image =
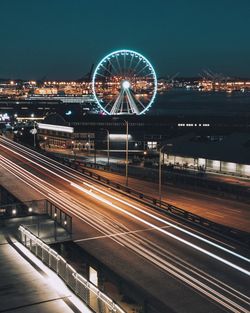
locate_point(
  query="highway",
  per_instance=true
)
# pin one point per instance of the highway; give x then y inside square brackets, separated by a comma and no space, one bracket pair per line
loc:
[220,210]
[182,270]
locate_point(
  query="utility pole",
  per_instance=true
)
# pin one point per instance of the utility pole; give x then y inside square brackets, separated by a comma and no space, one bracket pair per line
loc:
[160,173]
[126,123]
[126,157]
[108,144]
[34,131]
[160,170]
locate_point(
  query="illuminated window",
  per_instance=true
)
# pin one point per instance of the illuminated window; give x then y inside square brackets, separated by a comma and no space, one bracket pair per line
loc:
[231,167]
[216,165]
[246,169]
[152,145]
[201,162]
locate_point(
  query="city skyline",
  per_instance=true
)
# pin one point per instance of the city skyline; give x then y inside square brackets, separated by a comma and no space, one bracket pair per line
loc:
[125,156]
[61,40]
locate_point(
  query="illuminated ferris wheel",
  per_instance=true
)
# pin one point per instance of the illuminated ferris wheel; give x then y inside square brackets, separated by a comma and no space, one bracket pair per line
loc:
[124,82]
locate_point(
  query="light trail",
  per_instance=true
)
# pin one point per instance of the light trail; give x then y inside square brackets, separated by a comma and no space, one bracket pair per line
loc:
[124,202]
[218,258]
[54,195]
[157,218]
[168,223]
[199,286]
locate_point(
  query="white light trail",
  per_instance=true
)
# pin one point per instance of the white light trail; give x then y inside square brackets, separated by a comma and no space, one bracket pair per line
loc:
[137,247]
[214,256]
[144,212]
[168,223]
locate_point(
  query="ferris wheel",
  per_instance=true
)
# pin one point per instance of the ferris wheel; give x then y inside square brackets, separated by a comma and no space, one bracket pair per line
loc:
[124,82]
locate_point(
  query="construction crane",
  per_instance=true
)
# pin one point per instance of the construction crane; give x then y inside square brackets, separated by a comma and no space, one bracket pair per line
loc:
[88,76]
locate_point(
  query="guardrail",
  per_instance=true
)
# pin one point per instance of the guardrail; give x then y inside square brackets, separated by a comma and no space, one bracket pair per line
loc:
[85,290]
[238,236]
[189,179]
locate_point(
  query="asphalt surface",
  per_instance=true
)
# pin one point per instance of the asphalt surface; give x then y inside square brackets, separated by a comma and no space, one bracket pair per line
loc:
[227,212]
[163,258]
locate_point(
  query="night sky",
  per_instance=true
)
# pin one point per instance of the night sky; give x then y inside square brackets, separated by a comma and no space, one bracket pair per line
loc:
[60,39]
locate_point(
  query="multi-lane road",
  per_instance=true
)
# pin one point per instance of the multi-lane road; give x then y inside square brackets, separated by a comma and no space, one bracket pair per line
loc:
[179,268]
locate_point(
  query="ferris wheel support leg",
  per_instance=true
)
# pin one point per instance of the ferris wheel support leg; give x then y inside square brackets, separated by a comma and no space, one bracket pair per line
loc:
[117,104]
[132,103]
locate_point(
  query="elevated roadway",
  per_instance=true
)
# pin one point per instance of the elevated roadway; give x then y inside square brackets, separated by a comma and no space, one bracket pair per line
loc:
[178,268]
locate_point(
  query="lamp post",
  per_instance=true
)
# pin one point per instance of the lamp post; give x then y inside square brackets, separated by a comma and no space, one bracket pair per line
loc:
[45,142]
[87,148]
[108,143]
[33,131]
[160,173]
[126,157]
[160,170]
[73,149]
[126,123]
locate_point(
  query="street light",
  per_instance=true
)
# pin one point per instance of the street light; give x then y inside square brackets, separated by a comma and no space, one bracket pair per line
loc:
[160,164]
[73,143]
[107,144]
[33,131]
[126,124]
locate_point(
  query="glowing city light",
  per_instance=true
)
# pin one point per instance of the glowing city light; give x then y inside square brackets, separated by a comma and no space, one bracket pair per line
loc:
[126,84]
[65,129]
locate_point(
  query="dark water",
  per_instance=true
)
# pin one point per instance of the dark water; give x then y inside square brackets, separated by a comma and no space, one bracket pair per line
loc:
[179,101]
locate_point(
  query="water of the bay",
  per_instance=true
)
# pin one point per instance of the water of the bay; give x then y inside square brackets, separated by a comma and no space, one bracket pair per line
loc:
[193,102]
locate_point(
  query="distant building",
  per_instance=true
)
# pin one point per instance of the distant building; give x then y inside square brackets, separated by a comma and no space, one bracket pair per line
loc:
[55,132]
[228,154]
[46,91]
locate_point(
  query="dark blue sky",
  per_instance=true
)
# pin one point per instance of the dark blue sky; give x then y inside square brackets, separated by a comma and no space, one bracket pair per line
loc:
[61,38]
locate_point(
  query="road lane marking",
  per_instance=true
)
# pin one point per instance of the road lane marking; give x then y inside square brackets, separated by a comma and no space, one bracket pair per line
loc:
[119,234]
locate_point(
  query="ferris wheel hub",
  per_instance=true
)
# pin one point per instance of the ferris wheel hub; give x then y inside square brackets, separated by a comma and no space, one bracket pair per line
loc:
[126,84]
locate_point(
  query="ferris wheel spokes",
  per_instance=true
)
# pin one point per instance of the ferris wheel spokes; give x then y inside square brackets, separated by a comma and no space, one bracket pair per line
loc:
[117,103]
[132,103]
[135,68]
[125,97]
[117,60]
[106,69]
[131,61]
[124,82]
[112,65]
[124,63]
[108,104]
[142,69]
